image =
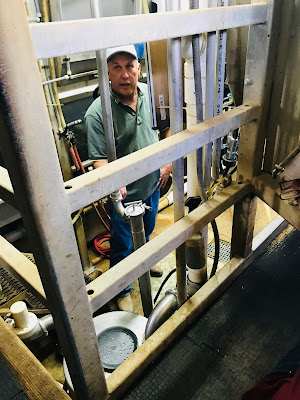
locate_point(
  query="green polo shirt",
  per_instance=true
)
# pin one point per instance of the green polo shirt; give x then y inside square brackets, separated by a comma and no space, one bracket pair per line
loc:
[133,131]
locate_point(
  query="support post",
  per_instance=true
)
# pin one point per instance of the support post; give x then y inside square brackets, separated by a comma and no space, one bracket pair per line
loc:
[259,71]
[243,226]
[31,159]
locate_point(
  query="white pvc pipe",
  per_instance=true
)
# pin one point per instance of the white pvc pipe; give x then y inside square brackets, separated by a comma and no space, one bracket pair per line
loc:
[20,314]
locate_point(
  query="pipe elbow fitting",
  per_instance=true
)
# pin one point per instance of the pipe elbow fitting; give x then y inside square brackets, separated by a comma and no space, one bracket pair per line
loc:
[163,310]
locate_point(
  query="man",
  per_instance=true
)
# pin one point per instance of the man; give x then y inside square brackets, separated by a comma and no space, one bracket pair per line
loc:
[133,131]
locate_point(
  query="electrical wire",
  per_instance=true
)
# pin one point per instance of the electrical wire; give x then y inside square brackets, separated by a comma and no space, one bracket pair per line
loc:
[163,284]
[217,248]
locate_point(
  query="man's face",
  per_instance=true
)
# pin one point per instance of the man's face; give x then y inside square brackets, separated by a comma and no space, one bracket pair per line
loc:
[123,72]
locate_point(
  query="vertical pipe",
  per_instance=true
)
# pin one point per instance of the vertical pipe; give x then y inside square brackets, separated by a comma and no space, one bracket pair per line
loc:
[210,95]
[149,70]
[31,158]
[194,4]
[176,121]
[220,75]
[150,84]
[104,92]
[135,214]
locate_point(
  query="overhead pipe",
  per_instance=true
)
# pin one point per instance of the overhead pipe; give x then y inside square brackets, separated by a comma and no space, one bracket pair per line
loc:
[176,122]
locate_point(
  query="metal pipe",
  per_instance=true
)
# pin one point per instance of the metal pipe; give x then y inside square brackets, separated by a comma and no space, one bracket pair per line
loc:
[43,202]
[62,78]
[162,311]
[210,95]
[150,84]
[220,75]
[104,92]
[135,212]
[143,6]
[199,101]
[106,107]
[176,121]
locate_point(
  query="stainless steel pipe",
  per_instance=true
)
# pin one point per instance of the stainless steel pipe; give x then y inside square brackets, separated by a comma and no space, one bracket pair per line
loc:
[176,120]
[135,212]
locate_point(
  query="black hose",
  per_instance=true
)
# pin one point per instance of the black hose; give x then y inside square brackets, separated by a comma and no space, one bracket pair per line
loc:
[163,284]
[217,248]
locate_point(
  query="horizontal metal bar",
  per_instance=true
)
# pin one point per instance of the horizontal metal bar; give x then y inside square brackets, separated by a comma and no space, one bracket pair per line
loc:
[108,285]
[59,38]
[121,379]
[24,270]
[87,188]
[6,189]
[265,187]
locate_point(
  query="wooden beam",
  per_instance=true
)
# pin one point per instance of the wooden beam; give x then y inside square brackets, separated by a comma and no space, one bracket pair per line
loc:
[108,285]
[100,182]
[265,187]
[68,37]
[30,374]
[121,379]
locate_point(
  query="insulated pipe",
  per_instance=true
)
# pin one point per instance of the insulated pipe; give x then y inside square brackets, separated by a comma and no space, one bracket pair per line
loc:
[220,75]
[162,311]
[176,122]
[106,107]
[135,212]
[199,101]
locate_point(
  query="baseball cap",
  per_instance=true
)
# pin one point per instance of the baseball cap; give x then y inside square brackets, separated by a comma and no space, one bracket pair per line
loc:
[130,49]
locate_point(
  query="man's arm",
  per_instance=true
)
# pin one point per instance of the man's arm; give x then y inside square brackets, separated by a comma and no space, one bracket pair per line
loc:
[101,163]
[166,170]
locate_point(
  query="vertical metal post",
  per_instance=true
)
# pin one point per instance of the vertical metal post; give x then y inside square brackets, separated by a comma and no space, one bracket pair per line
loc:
[31,158]
[243,226]
[176,120]
[259,72]
[220,75]
[258,77]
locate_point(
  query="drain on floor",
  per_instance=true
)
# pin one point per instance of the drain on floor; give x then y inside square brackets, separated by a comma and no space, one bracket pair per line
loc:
[224,250]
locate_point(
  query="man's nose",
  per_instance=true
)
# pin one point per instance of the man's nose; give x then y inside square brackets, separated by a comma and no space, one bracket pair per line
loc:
[125,74]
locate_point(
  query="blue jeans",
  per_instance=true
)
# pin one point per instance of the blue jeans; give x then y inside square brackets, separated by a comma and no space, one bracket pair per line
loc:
[121,241]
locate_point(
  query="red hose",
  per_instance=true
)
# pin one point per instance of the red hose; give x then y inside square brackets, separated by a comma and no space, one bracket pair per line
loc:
[79,160]
[81,167]
[74,158]
[99,239]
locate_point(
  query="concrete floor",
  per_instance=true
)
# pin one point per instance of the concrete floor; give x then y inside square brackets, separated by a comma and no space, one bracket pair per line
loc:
[165,219]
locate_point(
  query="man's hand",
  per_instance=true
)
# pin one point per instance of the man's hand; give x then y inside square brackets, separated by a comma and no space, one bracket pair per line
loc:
[101,163]
[123,192]
[164,175]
